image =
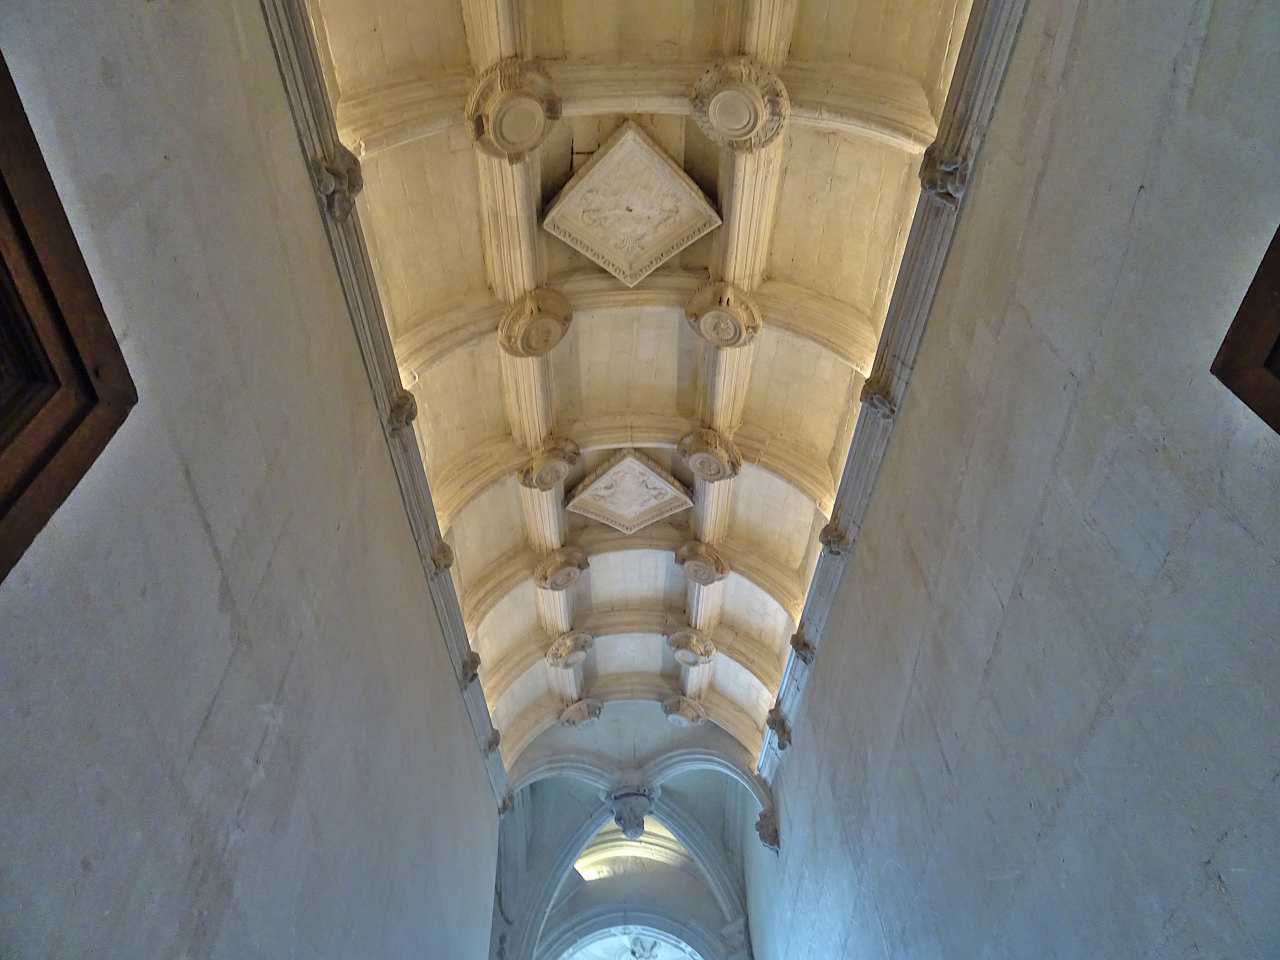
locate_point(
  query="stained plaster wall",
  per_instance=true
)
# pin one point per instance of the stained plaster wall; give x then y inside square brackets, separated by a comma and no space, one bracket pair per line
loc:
[230,725]
[1045,719]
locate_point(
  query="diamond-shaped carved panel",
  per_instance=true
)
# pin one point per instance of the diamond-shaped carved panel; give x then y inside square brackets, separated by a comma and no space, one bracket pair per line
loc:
[631,208]
[628,492]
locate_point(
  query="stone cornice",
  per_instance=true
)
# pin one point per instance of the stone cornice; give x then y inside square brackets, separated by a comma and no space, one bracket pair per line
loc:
[989,37]
[289,28]
[851,100]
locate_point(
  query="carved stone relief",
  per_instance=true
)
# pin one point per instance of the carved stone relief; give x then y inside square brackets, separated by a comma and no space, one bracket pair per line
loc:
[710,455]
[835,541]
[875,396]
[691,647]
[804,650]
[512,109]
[535,323]
[701,563]
[470,668]
[550,465]
[629,491]
[630,806]
[338,180]
[776,721]
[684,712]
[630,208]
[944,176]
[560,570]
[723,315]
[403,411]
[569,649]
[581,713]
[740,103]
[767,828]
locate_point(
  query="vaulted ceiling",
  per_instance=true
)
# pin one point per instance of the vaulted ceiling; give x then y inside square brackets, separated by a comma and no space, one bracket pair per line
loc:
[635,259]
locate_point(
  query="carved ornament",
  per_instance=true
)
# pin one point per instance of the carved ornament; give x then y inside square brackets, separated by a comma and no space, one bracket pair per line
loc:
[740,103]
[684,711]
[550,465]
[691,647]
[442,557]
[630,806]
[569,649]
[403,411]
[767,828]
[512,109]
[701,563]
[470,668]
[776,721]
[629,491]
[581,713]
[875,396]
[535,323]
[710,455]
[494,741]
[723,315]
[630,208]
[338,180]
[835,541]
[507,805]
[560,570]
[804,650]
[946,177]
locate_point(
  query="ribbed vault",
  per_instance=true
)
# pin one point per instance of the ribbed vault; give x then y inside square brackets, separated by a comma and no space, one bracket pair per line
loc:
[560,394]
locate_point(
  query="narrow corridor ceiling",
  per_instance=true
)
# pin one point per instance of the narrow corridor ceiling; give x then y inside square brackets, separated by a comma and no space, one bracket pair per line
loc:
[635,259]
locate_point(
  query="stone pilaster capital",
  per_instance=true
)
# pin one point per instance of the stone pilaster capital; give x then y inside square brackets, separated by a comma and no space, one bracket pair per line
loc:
[740,103]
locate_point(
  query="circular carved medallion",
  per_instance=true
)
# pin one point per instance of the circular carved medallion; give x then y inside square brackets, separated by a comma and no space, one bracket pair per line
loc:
[723,315]
[740,103]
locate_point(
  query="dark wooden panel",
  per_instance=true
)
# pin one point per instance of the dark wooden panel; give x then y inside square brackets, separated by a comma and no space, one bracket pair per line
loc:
[64,386]
[1249,360]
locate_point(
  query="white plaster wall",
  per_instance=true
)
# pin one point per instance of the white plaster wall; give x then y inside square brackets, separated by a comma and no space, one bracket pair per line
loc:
[1044,722]
[230,726]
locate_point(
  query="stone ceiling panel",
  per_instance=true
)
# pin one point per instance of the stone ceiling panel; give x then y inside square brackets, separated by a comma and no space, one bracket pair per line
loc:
[628,492]
[448,430]
[633,579]
[774,516]
[616,29]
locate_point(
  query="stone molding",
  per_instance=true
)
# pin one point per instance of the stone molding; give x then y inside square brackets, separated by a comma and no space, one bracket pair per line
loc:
[535,323]
[710,455]
[560,570]
[684,711]
[723,315]
[512,109]
[701,563]
[550,465]
[569,649]
[581,713]
[741,104]
[691,647]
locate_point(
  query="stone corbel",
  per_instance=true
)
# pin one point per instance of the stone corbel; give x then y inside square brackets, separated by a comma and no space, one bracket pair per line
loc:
[945,177]
[512,110]
[581,713]
[403,411]
[804,650]
[470,668]
[691,647]
[550,465]
[710,455]
[701,563]
[767,828]
[684,711]
[494,741]
[535,323]
[776,721]
[630,806]
[741,104]
[835,541]
[724,315]
[560,570]
[876,396]
[507,805]
[442,557]
[569,649]
[338,180]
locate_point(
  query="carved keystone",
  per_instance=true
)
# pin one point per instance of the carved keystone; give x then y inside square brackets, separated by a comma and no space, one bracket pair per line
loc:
[723,315]
[569,649]
[630,806]
[535,323]
[701,563]
[767,828]
[560,570]
[691,647]
[804,650]
[684,711]
[944,177]
[512,109]
[581,713]
[338,180]
[550,465]
[710,455]
[403,411]
[776,721]
[740,103]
